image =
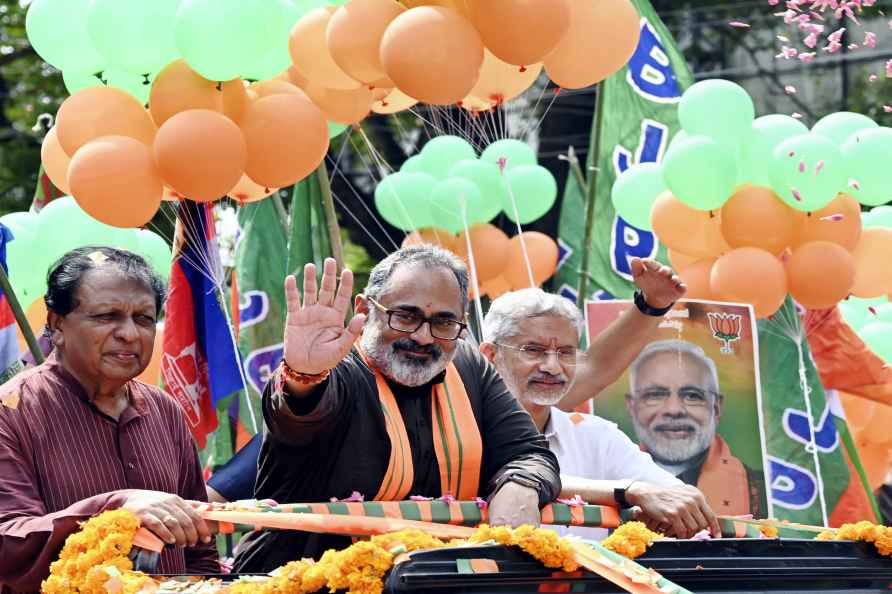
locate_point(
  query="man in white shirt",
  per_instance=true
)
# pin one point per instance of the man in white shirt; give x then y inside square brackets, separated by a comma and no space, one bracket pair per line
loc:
[531,337]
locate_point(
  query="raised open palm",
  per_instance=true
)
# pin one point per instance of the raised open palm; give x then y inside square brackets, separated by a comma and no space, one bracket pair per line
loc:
[661,286]
[315,336]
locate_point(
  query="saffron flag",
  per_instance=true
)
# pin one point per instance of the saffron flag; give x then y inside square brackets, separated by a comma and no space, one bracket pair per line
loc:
[814,472]
[640,103]
[200,365]
[9,345]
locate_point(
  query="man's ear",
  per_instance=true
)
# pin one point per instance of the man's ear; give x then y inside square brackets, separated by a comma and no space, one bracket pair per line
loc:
[54,323]
[630,406]
[361,305]
[488,350]
[719,402]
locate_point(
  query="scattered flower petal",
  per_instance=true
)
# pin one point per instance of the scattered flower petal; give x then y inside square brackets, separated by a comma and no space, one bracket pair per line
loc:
[853,47]
[796,115]
[420,498]
[807,57]
[811,40]
[834,217]
[853,183]
[818,166]
[447,498]
[355,497]
[481,503]
[870,40]
[787,52]
[801,166]
[739,25]
[796,195]
[790,90]
[889,69]
[887,108]
[872,78]
[574,501]
[702,535]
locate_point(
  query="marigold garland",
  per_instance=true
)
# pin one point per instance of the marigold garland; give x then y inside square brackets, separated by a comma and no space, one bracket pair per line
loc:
[97,555]
[631,539]
[880,536]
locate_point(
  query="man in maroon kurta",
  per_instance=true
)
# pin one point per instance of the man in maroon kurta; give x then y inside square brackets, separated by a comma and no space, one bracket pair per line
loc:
[62,461]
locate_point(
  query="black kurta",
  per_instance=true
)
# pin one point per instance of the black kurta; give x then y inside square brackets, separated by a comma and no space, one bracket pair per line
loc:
[334,442]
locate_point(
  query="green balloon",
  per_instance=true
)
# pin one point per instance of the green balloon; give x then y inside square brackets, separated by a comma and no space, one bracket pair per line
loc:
[24,257]
[489,180]
[452,203]
[866,158]
[514,152]
[719,109]
[220,39]
[807,171]
[57,30]
[277,57]
[137,85]
[700,172]
[441,153]
[680,137]
[532,192]
[878,338]
[839,127]
[414,164]
[884,312]
[881,216]
[856,311]
[403,198]
[155,250]
[135,36]
[78,81]
[635,191]
[335,129]
[755,156]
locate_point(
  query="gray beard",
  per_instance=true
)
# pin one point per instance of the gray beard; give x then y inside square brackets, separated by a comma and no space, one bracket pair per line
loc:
[675,452]
[397,367]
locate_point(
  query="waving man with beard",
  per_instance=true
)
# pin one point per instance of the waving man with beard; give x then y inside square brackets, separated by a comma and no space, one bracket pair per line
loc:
[394,404]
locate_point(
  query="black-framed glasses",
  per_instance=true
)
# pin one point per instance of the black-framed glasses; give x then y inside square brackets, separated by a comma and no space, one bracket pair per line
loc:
[409,322]
[690,397]
[534,353]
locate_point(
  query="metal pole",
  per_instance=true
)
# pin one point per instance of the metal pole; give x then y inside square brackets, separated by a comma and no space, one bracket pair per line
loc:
[591,195]
[280,208]
[20,318]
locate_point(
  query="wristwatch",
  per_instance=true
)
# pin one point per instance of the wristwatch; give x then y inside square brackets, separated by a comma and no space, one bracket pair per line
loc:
[521,480]
[648,310]
[619,495]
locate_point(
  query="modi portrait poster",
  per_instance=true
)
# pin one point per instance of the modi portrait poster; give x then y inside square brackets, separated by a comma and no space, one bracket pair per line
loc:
[692,400]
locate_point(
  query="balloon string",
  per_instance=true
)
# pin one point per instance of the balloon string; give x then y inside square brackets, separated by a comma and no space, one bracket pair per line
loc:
[472,262]
[523,244]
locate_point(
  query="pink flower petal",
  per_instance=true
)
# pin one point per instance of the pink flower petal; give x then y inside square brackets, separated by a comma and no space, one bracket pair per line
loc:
[833,217]
[889,69]
[739,25]
[420,498]
[887,108]
[790,90]
[872,78]
[870,40]
[853,183]
[796,195]
[818,166]
[807,57]
[481,503]
[811,40]
[796,115]
[853,47]
[801,166]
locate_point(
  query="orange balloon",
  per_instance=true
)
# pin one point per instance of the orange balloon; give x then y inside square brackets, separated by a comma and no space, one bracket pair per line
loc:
[521,32]
[602,37]
[394,102]
[234,99]
[55,161]
[101,111]
[152,373]
[750,275]
[696,233]
[287,138]
[859,411]
[460,6]
[342,107]
[873,277]
[678,260]
[170,195]
[265,88]
[696,277]
[310,54]
[542,252]
[201,154]
[247,190]
[432,236]
[877,429]
[432,54]
[495,287]
[754,216]
[839,222]
[294,76]
[476,104]
[491,248]
[179,88]
[820,274]
[114,180]
[36,316]
[500,81]
[875,459]
[354,37]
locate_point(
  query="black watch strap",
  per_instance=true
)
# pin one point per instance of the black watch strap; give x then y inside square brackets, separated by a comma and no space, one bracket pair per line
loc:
[646,309]
[619,495]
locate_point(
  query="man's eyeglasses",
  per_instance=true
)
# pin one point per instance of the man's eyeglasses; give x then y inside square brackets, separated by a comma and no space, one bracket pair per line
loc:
[534,353]
[409,322]
[690,397]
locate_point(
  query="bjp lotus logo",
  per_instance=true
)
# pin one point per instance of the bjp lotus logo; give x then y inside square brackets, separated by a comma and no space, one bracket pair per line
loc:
[725,328]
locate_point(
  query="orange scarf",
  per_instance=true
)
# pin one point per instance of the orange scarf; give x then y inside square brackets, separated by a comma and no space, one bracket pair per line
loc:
[457,441]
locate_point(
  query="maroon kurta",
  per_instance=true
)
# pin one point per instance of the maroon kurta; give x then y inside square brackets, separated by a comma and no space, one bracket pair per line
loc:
[62,461]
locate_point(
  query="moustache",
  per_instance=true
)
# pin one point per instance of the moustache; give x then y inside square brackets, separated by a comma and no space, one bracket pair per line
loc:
[407,344]
[548,378]
[675,427]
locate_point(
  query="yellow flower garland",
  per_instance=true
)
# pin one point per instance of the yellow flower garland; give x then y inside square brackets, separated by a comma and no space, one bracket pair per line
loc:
[880,536]
[631,539]
[97,555]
